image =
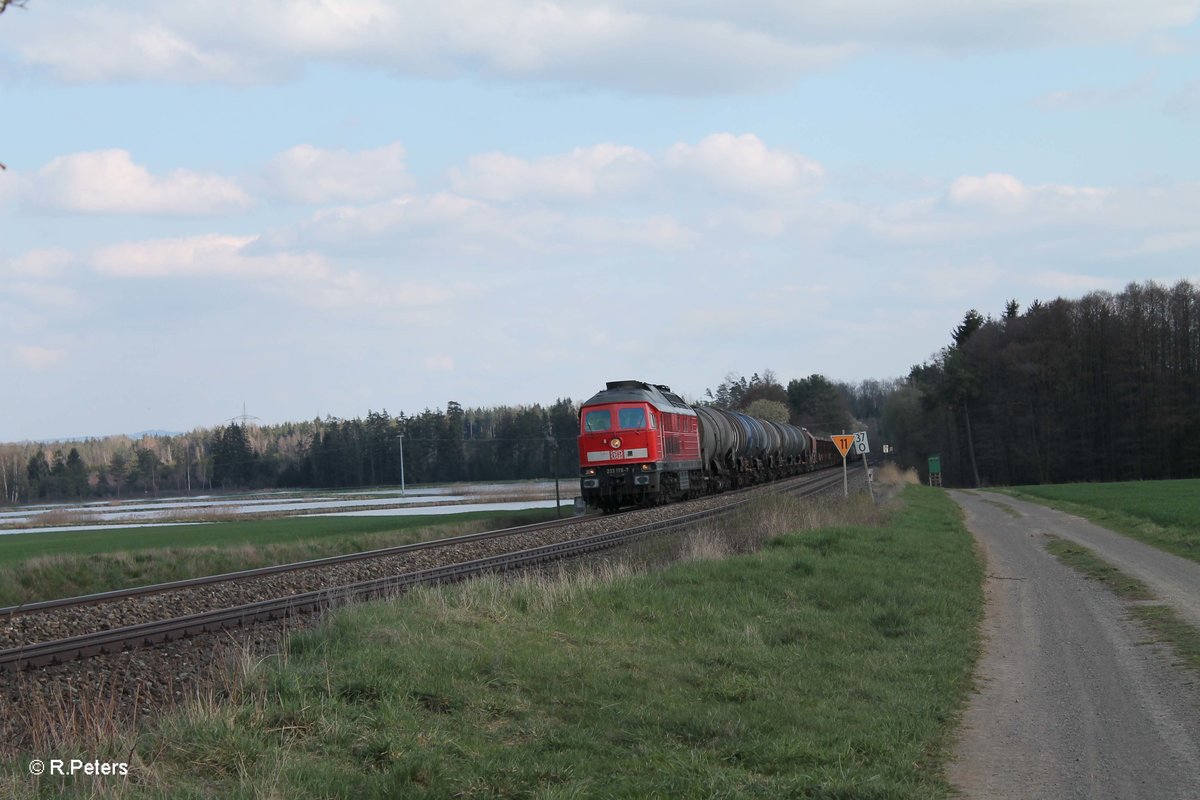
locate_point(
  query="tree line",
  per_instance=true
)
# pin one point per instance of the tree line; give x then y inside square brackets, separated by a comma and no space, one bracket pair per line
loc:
[454,444]
[1103,388]
[439,445]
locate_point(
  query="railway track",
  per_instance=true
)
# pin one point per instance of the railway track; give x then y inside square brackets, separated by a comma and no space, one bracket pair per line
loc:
[276,569]
[119,639]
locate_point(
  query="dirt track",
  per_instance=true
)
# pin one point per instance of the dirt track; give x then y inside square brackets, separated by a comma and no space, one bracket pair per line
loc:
[1073,702]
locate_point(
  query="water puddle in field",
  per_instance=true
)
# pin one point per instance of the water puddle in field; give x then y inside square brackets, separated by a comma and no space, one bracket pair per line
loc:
[452,509]
[115,526]
[246,505]
[142,513]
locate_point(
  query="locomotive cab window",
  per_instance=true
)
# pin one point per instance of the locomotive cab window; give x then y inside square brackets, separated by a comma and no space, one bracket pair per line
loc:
[598,420]
[631,418]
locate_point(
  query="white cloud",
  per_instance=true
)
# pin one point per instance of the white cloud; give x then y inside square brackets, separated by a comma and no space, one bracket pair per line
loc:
[206,255]
[723,163]
[1168,45]
[428,216]
[566,41]
[765,222]
[44,263]
[108,182]
[659,231]
[957,283]
[1049,227]
[91,43]
[1171,242]
[694,47]
[1185,103]
[994,192]
[446,224]
[38,358]
[439,363]
[1097,97]
[355,292]
[1004,194]
[300,277]
[582,173]
[44,295]
[744,164]
[1072,283]
[308,174]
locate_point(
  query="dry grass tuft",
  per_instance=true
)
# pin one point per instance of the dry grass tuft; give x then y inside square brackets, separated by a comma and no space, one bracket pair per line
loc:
[202,514]
[706,543]
[495,596]
[56,517]
[60,718]
[517,492]
[769,518]
[891,475]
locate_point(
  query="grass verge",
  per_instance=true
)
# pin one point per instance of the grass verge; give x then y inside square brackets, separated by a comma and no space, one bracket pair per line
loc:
[1163,622]
[41,566]
[1164,514]
[1005,507]
[826,665]
[1081,559]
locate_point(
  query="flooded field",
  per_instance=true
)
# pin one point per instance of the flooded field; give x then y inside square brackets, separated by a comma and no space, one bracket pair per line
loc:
[144,512]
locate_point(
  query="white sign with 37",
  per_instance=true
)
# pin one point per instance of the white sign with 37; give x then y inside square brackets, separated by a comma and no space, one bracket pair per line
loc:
[860,443]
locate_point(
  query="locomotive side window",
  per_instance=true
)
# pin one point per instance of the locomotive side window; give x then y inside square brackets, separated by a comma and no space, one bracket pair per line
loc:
[599,420]
[632,418]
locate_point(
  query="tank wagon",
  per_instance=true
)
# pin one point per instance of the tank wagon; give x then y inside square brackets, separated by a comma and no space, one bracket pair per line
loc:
[641,444]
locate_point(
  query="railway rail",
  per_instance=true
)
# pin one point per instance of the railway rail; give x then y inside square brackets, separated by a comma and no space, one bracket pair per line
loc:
[275,569]
[115,640]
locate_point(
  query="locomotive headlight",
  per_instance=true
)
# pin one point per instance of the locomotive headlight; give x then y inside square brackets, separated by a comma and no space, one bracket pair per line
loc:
[645,467]
[590,471]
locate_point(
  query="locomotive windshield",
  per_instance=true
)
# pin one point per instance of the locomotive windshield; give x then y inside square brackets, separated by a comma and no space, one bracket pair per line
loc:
[599,420]
[631,418]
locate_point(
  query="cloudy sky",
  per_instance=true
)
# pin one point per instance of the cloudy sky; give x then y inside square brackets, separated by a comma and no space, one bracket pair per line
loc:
[320,207]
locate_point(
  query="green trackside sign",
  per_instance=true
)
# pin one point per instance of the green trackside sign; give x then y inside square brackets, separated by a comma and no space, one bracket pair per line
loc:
[935,464]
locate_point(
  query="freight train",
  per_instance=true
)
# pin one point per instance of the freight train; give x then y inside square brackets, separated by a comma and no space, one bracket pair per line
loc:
[641,444]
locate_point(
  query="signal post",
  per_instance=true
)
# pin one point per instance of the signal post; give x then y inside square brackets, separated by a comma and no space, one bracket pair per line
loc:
[843,443]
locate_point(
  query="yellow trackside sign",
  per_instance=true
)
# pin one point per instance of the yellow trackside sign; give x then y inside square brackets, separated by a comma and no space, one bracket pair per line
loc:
[844,443]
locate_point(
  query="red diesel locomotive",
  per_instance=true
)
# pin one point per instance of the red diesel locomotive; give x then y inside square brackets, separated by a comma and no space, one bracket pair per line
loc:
[641,444]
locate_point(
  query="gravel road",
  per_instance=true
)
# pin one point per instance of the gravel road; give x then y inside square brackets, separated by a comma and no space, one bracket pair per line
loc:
[1073,700]
[1173,580]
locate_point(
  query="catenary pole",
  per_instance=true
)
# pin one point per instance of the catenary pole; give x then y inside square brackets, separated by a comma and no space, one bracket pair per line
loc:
[402,465]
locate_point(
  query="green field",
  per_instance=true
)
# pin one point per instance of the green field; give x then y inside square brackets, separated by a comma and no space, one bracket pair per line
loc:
[38,566]
[828,664]
[1165,514]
